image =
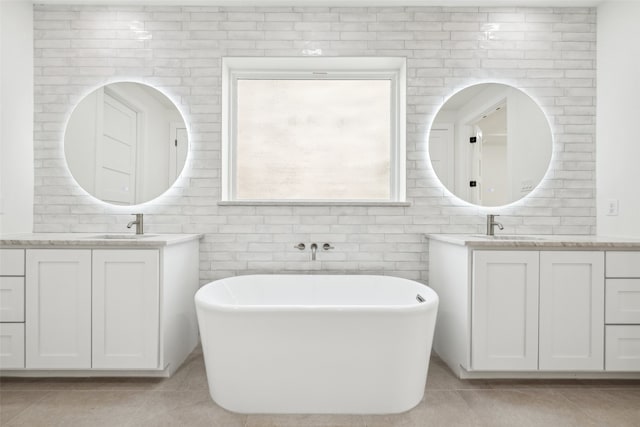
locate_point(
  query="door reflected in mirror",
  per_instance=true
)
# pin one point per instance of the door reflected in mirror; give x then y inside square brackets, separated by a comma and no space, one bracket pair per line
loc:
[126,143]
[490,144]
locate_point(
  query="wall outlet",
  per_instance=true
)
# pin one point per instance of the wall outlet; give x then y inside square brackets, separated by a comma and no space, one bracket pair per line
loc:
[612,207]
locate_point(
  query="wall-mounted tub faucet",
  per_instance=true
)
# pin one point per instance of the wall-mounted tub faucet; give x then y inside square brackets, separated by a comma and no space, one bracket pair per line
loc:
[139,222]
[491,223]
[314,248]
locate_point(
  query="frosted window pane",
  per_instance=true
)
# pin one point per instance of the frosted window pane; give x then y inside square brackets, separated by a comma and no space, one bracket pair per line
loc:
[313,139]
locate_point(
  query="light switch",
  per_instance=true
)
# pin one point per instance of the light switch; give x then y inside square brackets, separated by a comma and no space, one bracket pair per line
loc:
[612,207]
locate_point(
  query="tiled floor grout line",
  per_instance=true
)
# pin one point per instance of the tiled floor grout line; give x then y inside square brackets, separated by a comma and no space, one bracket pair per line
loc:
[138,409]
[577,407]
[30,405]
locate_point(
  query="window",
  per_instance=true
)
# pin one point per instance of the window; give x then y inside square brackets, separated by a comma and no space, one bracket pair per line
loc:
[313,129]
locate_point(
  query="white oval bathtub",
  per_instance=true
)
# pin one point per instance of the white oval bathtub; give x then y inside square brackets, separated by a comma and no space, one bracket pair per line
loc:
[316,343]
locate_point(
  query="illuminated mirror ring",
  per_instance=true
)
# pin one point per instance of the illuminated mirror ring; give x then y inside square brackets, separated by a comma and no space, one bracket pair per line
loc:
[490,144]
[125,143]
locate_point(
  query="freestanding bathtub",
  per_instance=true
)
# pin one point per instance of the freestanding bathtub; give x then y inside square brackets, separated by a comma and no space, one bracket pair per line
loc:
[316,343]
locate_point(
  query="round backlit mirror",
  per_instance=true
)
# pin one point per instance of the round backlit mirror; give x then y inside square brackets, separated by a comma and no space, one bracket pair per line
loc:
[125,143]
[490,144]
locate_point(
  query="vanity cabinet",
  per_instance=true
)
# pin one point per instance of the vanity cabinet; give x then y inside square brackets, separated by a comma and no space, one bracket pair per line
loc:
[125,309]
[520,310]
[99,308]
[58,300]
[516,292]
[92,309]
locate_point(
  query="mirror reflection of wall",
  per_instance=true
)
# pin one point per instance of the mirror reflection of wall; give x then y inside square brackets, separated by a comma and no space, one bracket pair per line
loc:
[490,144]
[125,143]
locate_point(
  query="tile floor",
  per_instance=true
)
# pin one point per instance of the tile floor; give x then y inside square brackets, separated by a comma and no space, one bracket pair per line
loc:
[183,400]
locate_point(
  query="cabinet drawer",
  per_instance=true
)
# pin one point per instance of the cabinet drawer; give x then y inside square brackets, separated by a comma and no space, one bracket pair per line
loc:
[11,345]
[11,262]
[623,301]
[623,264]
[11,299]
[622,349]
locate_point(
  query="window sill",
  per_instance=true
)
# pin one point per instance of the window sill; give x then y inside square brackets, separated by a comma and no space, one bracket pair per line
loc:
[309,203]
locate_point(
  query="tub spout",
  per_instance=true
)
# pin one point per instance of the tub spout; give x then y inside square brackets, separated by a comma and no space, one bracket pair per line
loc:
[314,248]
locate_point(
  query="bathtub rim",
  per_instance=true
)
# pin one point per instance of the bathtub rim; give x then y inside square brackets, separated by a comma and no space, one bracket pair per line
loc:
[430,296]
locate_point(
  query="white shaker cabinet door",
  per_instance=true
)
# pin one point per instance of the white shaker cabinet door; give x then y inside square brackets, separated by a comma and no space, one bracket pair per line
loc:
[58,314]
[571,311]
[504,336]
[126,300]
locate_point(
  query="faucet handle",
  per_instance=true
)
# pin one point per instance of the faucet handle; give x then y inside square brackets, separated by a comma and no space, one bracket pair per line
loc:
[300,246]
[327,246]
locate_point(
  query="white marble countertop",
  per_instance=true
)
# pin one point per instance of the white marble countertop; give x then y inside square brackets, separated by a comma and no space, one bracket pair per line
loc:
[537,241]
[129,240]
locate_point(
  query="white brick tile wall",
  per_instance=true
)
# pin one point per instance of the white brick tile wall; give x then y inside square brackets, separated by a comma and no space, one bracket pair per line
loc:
[548,51]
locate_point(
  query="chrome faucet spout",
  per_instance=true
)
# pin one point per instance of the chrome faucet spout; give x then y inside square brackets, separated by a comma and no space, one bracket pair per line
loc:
[491,223]
[314,248]
[139,222]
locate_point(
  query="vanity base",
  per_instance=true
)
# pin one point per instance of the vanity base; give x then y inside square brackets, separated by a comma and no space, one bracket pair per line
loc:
[168,371]
[538,375]
[164,373]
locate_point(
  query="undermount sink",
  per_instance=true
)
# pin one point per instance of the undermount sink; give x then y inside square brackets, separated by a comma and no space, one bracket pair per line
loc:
[121,236]
[509,237]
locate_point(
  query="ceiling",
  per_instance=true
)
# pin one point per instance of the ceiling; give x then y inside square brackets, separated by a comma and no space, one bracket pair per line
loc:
[345,3]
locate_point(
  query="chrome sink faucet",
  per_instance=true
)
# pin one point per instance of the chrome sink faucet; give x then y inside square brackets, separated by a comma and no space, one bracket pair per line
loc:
[139,222]
[491,223]
[314,248]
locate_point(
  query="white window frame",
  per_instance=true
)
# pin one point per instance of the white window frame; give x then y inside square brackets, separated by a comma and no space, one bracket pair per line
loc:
[342,68]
